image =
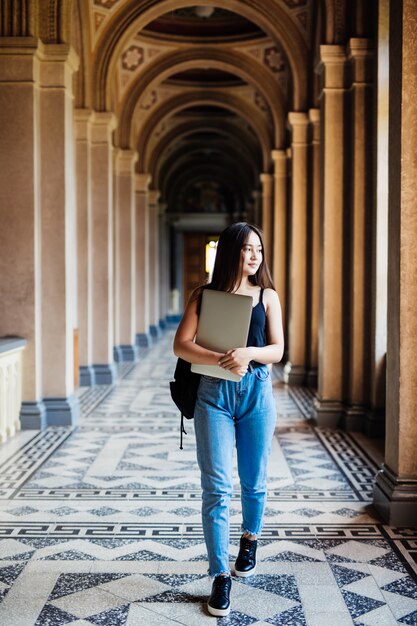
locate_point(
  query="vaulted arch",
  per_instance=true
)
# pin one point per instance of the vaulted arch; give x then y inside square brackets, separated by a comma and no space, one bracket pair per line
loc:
[243,140]
[136,14]
[226,60]
[177,103]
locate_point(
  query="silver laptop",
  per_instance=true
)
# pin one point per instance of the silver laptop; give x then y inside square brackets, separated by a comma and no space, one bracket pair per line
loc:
[223,325]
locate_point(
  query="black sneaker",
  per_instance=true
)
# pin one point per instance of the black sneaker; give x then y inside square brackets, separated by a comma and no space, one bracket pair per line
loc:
[219,601]
[245,564]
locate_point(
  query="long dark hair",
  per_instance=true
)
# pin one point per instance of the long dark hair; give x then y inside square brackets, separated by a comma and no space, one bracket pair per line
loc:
[227,271]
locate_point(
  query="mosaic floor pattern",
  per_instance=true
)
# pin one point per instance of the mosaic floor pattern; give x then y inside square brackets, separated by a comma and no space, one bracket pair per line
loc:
[101,524]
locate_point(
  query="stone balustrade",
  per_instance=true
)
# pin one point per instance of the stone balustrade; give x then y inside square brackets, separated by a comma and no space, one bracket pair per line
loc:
[11,349]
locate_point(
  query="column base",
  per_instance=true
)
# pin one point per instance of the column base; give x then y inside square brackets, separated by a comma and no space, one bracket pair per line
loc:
[87,376]
[143,340]
[173,319]
[294,374]
[125,353]
[155,332]
[105,374]
[312,378]
[354,418]
[327,413]
[395,499]
[33,416]
[162,324]
[62,411]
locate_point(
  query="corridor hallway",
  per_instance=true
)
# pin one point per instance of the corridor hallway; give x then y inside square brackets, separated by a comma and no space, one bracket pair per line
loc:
[100,524]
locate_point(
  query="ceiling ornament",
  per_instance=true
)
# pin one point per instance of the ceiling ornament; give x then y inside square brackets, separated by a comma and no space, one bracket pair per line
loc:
[204,11]
[106,4]
[132,58]
[149,101]
[273,59]
[98,19]
[296,4]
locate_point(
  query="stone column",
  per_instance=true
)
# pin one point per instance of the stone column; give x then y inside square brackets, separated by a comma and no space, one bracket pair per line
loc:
[328,403]
[395,495]
[257,207]
[83,181]
[279,238]
[376,415]
[295,368]
[153,262]
[125,256]
[143,337]
[313,246]
[267,208]
[101,246]
[58,232]
[360,236]
[20,215]
[164,287]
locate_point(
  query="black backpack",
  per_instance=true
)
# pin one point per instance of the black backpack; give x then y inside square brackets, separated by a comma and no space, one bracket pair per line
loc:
[184,391]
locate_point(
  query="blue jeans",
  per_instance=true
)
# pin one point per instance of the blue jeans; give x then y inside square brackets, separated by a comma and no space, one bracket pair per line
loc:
[226,412]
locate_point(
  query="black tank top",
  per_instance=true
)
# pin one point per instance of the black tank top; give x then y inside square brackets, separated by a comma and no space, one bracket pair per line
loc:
[257,328]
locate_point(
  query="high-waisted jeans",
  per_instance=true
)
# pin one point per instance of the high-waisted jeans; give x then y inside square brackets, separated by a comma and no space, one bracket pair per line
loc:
[227,412]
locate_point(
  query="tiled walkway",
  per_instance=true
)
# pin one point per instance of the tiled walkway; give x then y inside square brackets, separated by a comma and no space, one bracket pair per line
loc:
[101,524]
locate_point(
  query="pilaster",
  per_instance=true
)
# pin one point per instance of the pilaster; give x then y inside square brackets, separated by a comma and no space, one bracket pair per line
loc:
[154,270]
[395,493]
[20,238]
[83,204]
[279,238]
[295,368]
[267,208]
[58,231]
[125,256]
[143,338]
[360,58]
[328,403]
[313,249]
[101,246]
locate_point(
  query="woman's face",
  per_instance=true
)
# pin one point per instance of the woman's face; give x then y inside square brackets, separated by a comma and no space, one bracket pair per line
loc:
[251,255]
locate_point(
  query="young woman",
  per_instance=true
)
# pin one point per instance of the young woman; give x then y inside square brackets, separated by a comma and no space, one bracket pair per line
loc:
[228,412]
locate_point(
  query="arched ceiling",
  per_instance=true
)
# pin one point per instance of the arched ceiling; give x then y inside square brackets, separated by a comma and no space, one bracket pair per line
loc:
[201,88]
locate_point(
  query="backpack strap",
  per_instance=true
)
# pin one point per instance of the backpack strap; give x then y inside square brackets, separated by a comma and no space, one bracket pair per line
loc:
[182,430]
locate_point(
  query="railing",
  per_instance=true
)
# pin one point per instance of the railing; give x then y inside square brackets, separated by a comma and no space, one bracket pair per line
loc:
[11,349]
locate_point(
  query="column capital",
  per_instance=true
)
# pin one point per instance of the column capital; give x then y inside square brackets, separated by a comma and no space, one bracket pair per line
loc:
[81,120]
[265,178]
[360,53]
[102,125]
[332,65]
[314,117]
[153,196]
[19,60]
[125,161]
[142,182]
[280,162]
[298,121]
[59,53]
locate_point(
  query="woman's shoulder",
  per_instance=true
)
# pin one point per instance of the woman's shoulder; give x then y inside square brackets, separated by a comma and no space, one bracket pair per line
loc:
[270,296]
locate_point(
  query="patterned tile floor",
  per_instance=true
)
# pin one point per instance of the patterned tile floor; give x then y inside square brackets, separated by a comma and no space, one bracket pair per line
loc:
[101,524]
